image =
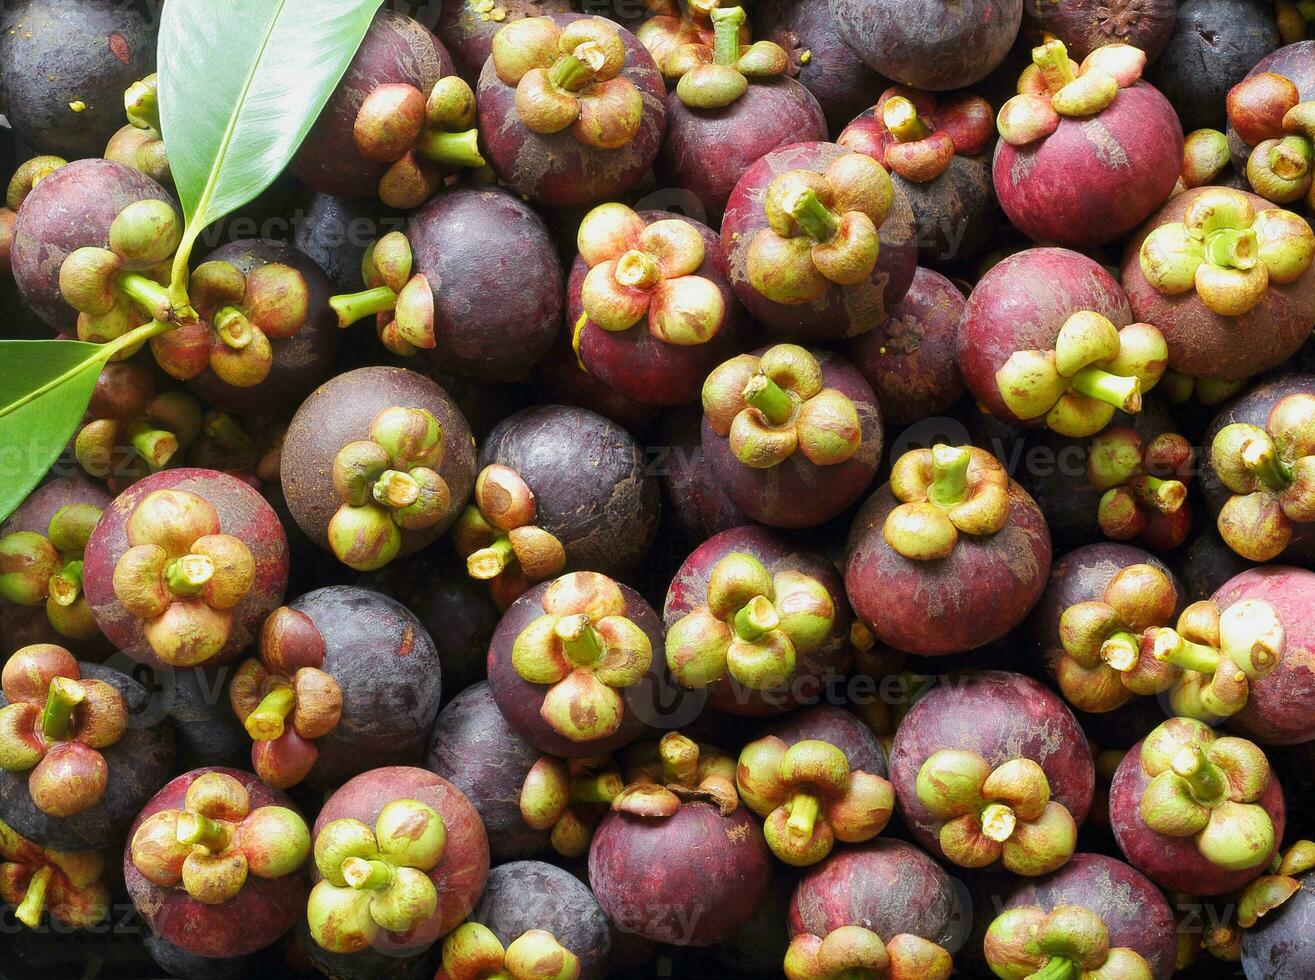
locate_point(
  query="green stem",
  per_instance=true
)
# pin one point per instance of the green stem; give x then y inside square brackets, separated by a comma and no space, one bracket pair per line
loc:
[351,307]
[601,788]
[451,149]
[63,695]
[998,822]
[198,829]
[233,327]
[804,809]
[1112,389]
[367,873]
[1166,496]
[146,293]
[1174,648]
[755,618]
[1121,651]
[188,575]
[637,270]
[817,220]
[1202,775]
[1057,968]
[949,475]
[901,118]
[488,563]
[155,446]
[1232,248]
[266,723]
[769,398]
[569,73]
[1052,59]
[29,910]
[1261,458]
[680,759]
[580,641]
[726,35]
[228,432]
[65,586]
[396,489]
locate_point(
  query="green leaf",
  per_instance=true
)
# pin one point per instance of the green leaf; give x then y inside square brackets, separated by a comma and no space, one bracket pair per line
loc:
[44,390]
[241,84]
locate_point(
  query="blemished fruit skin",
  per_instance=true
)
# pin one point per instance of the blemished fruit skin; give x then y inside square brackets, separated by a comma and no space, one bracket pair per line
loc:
[1278,947]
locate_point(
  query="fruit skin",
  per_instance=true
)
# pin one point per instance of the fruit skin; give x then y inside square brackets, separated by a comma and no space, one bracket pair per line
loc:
[1175,862]
[206,731]
[262,911]
[467,32]
[927,45]
[1215,43]
[1254,407]
[139,763]
[22,626]
[561,381]
[496,280]
[1093,179]
[1293,61]
[464,867]
[526,895]
[71,208]
[842,311]
[837,77]
[243,513]
[335,231]
[178,962]
[977,594]
[1000,716]
[887,886]
[693,497]
[519,700]
[638,365]
[590,483]
[55,53]
[839,727]
[1088,24]
[369,963]
[691,879]
[776,552]
[1134,910]
[389,671]
[302,361]
[707,151]
[1205,344]
[556,170]
[910,359]
[1020,304]
[1280,708]
[1278,947]
[474,747]
[1208,563]
[396,49]
[796,493]
[340,411]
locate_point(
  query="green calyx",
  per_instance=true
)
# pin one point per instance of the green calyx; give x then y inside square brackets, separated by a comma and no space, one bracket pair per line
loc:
[37,569]
[1068,942]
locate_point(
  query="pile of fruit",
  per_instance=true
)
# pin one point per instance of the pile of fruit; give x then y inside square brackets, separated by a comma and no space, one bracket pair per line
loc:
[829,492]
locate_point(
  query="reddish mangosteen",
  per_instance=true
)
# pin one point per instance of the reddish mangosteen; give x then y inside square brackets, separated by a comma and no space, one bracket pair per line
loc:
[927,45]
[473,279]
[678,860]
[818,243]
[559,489]
[127,225]
[1047,338]
[214,863]
[1088,627]
[572,109]
[184,567]
[891,909]
[466,28]
[560,380]
[346,680]
[400,859]
[694,499]
[992,767]
[65,884]
[1277,913]
[377,463]
[1085,25]
[910,359]
[836,725]
[41,546]
[792,435]
[651,308]
[734,103]
[818,57]
[572,665]
[938,155]
[78,757]
[947,556]
[1095,916]
[1228,279]
[397,118]
[135,424]
[535,921]
[1195,811]
[1088,152]
[757,621]
[1261,477]
[261,295]
[1265,114]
